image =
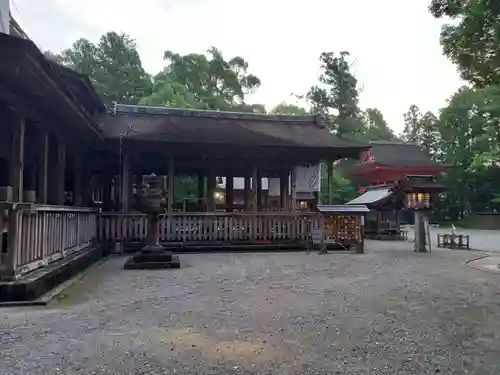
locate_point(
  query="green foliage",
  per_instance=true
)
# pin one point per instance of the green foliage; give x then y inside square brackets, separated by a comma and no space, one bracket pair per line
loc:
[421,129]
[376,128]
[337,95]
[113,65]
[288,109]
[471,41]
[343,189]
[210,81]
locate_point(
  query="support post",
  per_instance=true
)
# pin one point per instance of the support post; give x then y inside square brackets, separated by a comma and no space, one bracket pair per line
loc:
[259,191]
[17,162]
[42,168]
[77,182]
[211,183]
[246,192]
[60,174]
[329,174]
[293,180]
[125,183]
[283,190]
[229,193]
[105,181]
[201,191]
[255,176]
[170,192]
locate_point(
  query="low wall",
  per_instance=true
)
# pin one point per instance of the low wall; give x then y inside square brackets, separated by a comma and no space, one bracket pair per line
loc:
[487,220]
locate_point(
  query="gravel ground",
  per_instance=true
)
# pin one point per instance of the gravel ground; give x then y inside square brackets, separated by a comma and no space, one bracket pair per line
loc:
[390,311]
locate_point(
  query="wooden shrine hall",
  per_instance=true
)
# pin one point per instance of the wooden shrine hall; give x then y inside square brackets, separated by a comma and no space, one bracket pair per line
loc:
[69,166]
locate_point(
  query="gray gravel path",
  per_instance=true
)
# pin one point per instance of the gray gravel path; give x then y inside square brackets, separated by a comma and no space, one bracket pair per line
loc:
[390,311]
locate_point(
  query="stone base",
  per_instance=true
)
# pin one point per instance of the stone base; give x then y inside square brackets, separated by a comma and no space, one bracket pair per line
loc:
[33,285]
[152,260]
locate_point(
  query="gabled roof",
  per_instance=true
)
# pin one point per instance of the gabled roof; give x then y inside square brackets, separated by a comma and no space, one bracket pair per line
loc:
[393,153]
[81,86]
[25,73]
[373,196]
[170,125]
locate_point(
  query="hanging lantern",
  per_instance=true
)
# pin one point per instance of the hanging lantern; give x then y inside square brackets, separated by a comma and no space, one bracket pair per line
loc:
[418,201]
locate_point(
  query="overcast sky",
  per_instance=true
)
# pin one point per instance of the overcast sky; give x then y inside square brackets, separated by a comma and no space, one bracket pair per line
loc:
[395,43]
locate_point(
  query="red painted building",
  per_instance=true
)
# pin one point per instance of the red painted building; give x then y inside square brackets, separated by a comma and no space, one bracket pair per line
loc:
[387,161]
[376,173]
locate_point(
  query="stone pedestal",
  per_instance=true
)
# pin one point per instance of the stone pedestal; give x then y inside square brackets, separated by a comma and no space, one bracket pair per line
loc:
[153,255]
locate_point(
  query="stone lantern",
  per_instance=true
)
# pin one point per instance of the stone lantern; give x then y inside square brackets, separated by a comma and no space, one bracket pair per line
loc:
[417,192]
[151,199]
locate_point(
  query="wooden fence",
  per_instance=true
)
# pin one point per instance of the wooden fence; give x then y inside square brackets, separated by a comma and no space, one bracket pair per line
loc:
[35,236]
[209,227]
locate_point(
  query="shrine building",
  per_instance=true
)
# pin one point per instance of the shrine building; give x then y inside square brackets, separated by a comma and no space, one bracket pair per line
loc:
[69,168]
[378,170]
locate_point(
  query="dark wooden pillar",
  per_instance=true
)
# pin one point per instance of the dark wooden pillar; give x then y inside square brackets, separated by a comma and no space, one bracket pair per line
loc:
[283,190]
[125,183]
[17,161]
[60,172]
[293,181]
[255,177]
[171,177]
[259,191]
[211,183]
[105,181]
[329,174]
[201,187]
[246,193]
[77,182]
[42,168]
[229,193]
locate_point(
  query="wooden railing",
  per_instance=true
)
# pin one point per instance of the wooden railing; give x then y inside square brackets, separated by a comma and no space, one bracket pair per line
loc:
[38,235]
[208,227]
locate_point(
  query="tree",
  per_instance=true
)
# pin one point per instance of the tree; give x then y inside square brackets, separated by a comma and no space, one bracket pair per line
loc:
[337,95]
[213,82]
[288,109]
[343,188]
[472,40]
[376,128]
[173,95]
[113,65]
[412,121]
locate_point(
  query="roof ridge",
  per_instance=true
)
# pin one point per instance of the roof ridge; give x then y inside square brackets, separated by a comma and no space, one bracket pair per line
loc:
[403,143]
[157,110]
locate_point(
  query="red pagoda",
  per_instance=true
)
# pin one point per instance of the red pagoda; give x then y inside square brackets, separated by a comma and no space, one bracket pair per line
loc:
[378,171]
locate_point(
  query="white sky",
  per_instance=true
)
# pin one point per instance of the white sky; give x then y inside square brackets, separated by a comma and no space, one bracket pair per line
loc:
[395,43]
